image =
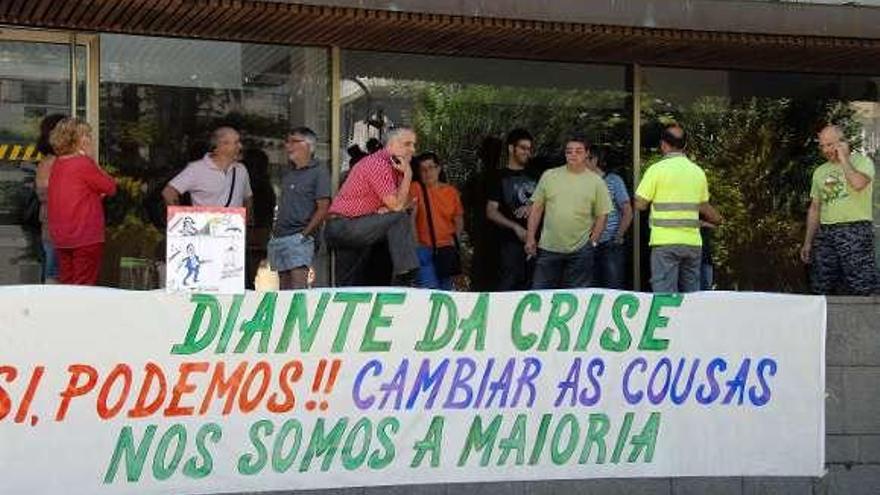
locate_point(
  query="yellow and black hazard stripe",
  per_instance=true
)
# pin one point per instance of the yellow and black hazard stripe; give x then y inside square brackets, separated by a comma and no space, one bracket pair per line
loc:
[12,152]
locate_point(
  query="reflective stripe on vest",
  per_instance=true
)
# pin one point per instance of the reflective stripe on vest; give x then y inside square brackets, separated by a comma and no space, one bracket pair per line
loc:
[676,215]
[676,207]
[675,222]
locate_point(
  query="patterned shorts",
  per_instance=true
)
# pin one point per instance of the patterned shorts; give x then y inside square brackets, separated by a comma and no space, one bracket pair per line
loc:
[843,260]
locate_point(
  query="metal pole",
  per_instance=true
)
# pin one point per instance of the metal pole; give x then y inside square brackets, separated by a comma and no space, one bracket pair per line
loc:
[335,134]
[73,79]
[93,80]
[335,117]
[637,170]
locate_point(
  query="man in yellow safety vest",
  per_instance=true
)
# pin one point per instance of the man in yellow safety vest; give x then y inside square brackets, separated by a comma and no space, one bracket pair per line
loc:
[676,190]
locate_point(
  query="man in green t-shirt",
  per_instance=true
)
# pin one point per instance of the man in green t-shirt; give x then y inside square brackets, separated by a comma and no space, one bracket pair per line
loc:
[574,203]
[839,242]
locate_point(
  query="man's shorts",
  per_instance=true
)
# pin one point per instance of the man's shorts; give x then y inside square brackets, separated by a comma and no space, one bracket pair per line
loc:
[289,252]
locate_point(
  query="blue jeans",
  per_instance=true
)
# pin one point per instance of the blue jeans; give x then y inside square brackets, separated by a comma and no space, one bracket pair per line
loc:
[50,261]
[707,276]
[427,276]
[610,264]
[564,270]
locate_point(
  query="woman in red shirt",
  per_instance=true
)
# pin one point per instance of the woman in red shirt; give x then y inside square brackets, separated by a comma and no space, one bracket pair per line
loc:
[77,187]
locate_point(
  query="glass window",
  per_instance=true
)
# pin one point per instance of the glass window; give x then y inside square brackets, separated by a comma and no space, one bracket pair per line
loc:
[161,97]
[81,82]
[755,135]
[34,83]
[462,108]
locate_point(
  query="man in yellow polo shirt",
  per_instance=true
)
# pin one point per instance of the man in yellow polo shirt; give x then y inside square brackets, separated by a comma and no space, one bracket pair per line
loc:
[576,202]
[839,242]
[676,190]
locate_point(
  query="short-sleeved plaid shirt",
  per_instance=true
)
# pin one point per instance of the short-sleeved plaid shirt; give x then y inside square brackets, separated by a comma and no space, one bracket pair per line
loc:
[370,180]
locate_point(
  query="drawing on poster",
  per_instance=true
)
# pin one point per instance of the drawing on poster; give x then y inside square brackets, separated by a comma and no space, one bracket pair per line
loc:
[205,250]
[231,267]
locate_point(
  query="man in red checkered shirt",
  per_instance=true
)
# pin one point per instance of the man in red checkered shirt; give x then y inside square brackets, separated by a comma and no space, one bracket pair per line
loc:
[371,206]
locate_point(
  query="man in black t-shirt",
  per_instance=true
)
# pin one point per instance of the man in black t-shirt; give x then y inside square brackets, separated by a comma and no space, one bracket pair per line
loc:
[509,203]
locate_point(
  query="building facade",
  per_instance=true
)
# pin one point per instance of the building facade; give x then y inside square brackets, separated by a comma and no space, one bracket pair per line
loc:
[750,80]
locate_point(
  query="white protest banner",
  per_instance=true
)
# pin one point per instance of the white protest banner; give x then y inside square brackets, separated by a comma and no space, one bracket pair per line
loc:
[116,392]
[205,249]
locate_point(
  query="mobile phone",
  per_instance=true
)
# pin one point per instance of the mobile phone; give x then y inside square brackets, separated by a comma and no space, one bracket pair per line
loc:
[395,159]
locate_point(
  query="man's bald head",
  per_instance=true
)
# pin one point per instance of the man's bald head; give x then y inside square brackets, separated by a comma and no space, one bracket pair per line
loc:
[674,137]
[831,131]
[225,144]
[830,138]
[220,133]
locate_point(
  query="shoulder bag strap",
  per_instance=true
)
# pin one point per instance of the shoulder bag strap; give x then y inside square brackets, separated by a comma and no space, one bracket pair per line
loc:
[430,217]
[231,188]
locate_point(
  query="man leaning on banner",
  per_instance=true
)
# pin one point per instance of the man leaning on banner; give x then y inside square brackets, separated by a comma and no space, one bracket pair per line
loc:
[371,206]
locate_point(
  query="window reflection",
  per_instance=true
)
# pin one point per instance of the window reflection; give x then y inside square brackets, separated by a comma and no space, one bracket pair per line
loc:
[755,135]
[461,108]
[34,83]
[161,97]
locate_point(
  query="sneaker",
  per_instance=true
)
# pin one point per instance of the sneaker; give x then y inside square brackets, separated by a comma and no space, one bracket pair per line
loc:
[405,279]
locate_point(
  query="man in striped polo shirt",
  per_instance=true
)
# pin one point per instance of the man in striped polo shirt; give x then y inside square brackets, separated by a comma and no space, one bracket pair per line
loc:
[371,206]
[678,193]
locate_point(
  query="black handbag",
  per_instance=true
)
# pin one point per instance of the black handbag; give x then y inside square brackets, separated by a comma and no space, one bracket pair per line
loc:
[447,262]
[30,216]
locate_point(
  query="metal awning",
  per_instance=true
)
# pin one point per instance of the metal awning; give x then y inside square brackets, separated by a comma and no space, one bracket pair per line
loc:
[447,34]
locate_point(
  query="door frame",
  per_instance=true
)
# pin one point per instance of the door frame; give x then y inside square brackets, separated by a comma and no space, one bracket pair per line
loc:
[90,42]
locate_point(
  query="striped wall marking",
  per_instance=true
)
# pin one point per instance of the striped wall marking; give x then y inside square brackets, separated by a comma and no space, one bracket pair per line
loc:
[20,152]
[28,152]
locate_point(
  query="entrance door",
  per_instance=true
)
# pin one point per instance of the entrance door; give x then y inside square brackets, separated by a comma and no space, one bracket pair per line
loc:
[41,73]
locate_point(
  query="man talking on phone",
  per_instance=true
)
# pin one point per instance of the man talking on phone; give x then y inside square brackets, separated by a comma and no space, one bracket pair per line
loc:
[371,206]
[839,242]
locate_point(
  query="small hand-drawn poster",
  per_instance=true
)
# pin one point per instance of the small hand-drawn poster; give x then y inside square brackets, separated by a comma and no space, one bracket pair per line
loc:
[205,249]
